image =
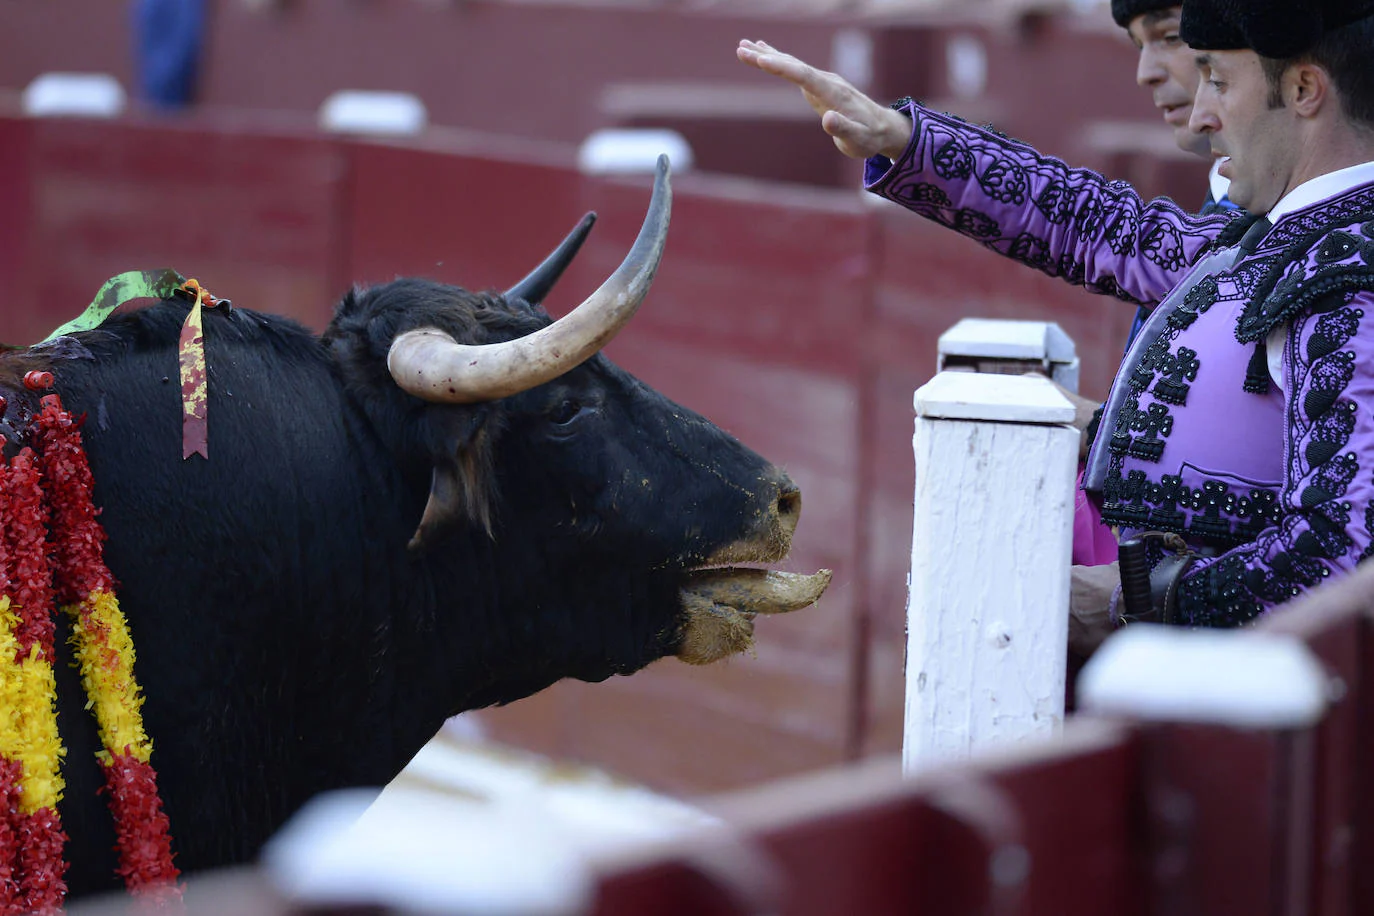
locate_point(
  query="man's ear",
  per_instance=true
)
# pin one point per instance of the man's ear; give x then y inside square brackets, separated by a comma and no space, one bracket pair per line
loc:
[1307,87]
[460,445]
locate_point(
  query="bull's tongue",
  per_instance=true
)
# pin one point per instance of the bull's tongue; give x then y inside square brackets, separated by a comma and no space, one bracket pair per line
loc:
[756,591]
[718,607]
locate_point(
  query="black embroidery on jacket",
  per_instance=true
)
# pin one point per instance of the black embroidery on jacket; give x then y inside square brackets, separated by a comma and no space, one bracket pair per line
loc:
[1216,596]
[1329,377]
[1174,370]
[978,225]
[1162,244]
[1369,532]
[1320,474]
[928,195]
[1334,331]
[1005,181]
[1310,259]
[953,161]
[1008,172]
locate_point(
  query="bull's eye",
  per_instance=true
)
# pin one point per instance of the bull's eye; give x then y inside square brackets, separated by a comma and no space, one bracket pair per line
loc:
[567,411]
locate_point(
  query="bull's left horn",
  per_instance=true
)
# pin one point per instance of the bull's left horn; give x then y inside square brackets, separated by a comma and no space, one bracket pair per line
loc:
[431,365]
[539,281]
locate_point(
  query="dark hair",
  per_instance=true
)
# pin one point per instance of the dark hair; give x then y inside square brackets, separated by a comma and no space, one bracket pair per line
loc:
[1344,53]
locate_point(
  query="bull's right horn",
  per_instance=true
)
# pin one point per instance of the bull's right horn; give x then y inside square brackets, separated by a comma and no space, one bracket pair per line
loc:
[537,284]
[431,365]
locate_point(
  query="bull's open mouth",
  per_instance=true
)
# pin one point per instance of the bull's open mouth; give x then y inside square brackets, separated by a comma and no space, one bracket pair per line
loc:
[719,605]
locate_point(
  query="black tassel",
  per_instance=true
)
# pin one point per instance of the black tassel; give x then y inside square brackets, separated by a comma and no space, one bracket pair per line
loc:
[1091,431]
[1257,373]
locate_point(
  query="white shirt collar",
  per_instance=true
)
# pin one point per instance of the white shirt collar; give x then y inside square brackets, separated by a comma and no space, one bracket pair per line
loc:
[1320,188]
[1218,183]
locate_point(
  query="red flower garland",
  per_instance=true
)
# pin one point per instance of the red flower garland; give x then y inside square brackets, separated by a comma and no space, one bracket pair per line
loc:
[31,838]
[10,770]
[41,865]
[28,551]
[86,587]
[10,773]
[33,783]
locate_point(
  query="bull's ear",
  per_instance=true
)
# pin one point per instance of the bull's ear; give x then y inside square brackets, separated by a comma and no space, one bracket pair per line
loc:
[460,492]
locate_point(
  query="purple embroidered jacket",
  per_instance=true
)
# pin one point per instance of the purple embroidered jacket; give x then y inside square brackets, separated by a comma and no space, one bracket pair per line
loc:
[1276,486]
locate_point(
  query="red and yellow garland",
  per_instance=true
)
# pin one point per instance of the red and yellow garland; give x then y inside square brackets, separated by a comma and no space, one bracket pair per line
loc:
[52,548]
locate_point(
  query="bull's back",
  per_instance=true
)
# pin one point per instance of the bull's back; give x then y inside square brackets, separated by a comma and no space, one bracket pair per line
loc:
[224,566]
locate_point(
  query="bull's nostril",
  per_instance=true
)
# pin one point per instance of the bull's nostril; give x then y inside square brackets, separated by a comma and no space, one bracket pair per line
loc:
[789,503]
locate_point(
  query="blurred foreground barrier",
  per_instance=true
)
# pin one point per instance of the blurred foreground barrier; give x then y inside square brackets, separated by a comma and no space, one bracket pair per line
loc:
[1217,774]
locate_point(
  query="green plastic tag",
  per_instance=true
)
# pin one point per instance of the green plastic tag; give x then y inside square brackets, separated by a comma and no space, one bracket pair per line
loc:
[133,284]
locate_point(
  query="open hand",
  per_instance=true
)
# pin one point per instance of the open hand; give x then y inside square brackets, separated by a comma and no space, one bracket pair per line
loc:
[859,126]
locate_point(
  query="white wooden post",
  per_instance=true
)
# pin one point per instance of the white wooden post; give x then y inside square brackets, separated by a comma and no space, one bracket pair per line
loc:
[983,341]
[987,619]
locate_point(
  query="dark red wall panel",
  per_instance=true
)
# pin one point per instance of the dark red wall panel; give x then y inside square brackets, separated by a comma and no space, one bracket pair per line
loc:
[17,323]
[253,216]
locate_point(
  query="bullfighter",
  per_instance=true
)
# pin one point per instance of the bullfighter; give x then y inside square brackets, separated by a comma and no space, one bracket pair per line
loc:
[1239,430]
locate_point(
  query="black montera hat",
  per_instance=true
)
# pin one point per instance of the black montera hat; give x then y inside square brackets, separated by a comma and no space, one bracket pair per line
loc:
[1270,28]
[1123,11]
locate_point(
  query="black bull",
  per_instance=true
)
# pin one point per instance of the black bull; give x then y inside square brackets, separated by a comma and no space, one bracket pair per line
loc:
[291,636]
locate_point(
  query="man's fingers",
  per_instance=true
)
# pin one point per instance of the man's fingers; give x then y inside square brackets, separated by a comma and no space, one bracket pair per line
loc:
[847,115]
[770,60]
[841,127]
[783,65]
[854,139]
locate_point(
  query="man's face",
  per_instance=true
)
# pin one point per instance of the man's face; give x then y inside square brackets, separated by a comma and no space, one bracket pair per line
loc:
[1166,67]
[1233,108]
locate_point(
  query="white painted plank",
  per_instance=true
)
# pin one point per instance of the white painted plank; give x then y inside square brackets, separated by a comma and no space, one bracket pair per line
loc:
[988,612]
[1007,339]
[1245,678]
[994,398]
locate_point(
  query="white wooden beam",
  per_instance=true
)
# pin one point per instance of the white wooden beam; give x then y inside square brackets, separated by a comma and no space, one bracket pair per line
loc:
[987,618]
[1240,678]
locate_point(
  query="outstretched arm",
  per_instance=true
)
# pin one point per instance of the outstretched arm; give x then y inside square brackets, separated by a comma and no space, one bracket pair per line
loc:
[860,127]
[1069,223]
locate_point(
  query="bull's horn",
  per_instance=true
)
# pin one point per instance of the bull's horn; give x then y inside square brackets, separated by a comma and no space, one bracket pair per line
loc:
[537,284]
[431,365]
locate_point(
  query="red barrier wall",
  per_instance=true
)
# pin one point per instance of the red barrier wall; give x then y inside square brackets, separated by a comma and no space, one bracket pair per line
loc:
[800,319]
[555,71]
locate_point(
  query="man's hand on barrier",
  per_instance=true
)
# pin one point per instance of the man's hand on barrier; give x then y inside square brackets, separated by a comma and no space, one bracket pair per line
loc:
[859,126]
[1090,606]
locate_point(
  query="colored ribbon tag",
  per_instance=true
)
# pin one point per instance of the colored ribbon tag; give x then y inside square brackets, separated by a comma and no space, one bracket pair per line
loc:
[133,284]
[191,356]
[163,284]
[194,380]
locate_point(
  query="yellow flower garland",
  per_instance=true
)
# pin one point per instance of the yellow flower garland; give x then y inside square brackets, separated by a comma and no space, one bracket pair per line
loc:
[28,725]
[105,652]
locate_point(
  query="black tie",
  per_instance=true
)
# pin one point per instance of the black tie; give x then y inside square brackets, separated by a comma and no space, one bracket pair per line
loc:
[1251,239]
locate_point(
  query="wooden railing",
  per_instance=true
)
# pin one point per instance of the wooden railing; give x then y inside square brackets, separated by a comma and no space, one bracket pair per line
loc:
[1181,813]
